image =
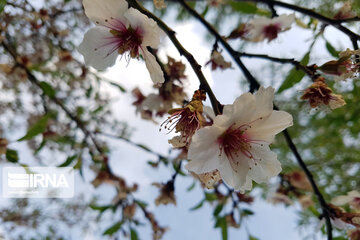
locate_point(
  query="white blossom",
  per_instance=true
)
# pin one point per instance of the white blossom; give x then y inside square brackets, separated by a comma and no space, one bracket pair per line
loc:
[262,27]
[237,144]
[352,198]
[119,30]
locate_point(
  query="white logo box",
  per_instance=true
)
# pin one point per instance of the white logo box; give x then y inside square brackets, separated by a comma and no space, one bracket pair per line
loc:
[37,182]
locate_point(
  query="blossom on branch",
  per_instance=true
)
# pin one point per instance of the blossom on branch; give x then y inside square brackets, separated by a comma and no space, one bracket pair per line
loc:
[186,120]
[343,68]
[345,11]
[167,194]
[352,198]
[299,180]
[265,28]
[120,30]
[218,61]
[319,94]
[237,144]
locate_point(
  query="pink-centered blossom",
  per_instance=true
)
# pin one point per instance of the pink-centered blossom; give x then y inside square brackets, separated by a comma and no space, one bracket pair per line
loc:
[265,28]
[352,198]
[237,144]
[120,31]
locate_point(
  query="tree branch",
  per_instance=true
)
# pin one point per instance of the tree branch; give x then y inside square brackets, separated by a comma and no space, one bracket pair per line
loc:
[254,84]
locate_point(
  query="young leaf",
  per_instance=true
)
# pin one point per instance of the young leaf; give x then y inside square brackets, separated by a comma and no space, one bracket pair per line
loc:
[244,7]
[68,161]
[210,197]
[12,155]
[331,50]
[199,205]
[100,208]
[295,75]
[36,129]
[47,89]
[2,5]
[253,238]
[133,234]
[218,209]
[121,88]
[192,186]
[141,203]
[114,228]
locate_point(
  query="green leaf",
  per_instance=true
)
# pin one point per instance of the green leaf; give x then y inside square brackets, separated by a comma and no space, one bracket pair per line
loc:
[122,89]
[36,129]
[12,155]
[42,144]
[248,8]
[97,110]
[340,238]
[68,161]
[210,197]
[331,50]
[295,75]
[203,14]
[144,147]
[253,238]
[192,186]
[100,208]
[244,7]
[247,212]
[141,203]
[2,5]
[133,234]
[78,163]
[114,228]
[218,209]
[47,89]
[199,205]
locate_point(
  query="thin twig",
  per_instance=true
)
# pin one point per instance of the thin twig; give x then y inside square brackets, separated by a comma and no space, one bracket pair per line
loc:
[194,64]
[139,145]
[297,64]
[254,84]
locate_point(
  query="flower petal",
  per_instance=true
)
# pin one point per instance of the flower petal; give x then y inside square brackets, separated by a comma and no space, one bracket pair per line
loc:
[265,168]
[235,178]
[342,200]
[156,74]
[100,10]
[267,129]
[264,102]
[151,31]
[99,48]
[240,112]
[285,20]
[204,151]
